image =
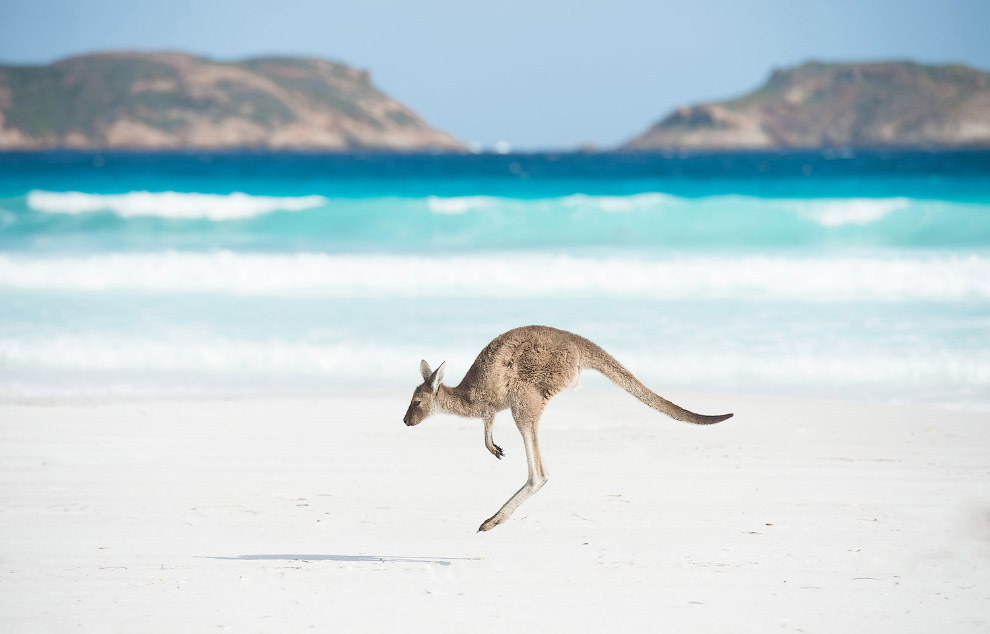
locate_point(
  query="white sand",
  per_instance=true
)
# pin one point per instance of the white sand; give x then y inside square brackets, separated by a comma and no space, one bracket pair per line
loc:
[282,515]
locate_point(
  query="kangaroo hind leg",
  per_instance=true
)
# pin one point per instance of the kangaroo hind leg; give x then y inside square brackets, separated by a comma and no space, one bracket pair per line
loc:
[527,416]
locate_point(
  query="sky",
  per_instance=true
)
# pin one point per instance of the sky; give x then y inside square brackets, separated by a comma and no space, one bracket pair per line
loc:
[535,74]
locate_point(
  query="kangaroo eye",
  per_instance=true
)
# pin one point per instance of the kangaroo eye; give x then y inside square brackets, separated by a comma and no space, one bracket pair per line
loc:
[415,403]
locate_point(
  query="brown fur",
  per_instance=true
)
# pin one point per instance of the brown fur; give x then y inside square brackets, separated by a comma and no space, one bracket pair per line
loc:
[521,370]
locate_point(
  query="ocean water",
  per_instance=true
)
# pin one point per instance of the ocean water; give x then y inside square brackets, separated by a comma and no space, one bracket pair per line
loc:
[838,274]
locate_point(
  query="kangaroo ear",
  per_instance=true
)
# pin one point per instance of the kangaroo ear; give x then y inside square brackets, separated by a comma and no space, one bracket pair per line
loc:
[424,369]
[436,377]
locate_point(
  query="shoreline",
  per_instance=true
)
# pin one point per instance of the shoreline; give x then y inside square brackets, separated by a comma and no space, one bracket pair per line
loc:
[592,383]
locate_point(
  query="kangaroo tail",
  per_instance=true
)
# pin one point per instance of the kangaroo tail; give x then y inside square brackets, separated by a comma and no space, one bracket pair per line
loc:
[594,357]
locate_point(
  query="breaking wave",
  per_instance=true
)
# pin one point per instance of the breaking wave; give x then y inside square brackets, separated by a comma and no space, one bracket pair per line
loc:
[143,220]
[848,211]
[914,277]
[455,205]
[104,362]
[827,212]
[176,205]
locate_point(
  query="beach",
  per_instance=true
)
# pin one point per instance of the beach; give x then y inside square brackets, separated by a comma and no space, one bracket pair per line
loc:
[293,513]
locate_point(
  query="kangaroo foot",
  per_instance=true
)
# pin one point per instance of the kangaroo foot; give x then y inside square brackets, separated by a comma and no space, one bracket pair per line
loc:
[490,523]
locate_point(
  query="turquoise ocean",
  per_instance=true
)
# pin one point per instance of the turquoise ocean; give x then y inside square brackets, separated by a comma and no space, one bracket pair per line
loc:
[836,274]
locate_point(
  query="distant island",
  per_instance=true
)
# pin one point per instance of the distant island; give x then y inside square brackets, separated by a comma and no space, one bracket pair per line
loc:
[164,101]
[896,104]
[153,101]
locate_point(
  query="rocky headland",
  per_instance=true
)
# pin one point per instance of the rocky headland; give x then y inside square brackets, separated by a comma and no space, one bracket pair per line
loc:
[894,104]
[152,101]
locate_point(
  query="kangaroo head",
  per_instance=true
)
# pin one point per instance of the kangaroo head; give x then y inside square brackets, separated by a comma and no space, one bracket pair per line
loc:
[424,399]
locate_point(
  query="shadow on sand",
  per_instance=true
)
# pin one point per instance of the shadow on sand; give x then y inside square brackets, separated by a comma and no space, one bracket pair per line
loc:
[442,561]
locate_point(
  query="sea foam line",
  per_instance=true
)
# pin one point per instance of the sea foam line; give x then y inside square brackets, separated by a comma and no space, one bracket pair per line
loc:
[838,212]
[926,277]
[178,205]
[217,356]
[103,352]
[610,204]
[456,205]
[826,212]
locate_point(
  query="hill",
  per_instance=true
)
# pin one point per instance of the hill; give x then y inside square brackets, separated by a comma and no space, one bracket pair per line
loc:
[896,104]
[174,100]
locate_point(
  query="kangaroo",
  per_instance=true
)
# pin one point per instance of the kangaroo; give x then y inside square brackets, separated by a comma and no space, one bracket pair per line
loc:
[522,370]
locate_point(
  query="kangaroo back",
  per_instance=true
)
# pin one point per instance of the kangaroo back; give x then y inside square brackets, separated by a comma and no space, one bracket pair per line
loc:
[594,357]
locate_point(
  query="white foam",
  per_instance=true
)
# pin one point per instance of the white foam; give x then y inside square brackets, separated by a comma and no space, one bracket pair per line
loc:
[215,354]
[609,204]
[460,204]
[850,365]
[614,204]
[170,204]
[826,212]
[189,361]
[847,211]
[920,277]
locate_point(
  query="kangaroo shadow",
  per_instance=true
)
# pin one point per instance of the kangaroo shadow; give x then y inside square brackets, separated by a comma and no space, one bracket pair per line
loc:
[441,561]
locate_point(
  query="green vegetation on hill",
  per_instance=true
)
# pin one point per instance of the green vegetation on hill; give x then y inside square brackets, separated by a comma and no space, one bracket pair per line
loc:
[172,100]
[821,104]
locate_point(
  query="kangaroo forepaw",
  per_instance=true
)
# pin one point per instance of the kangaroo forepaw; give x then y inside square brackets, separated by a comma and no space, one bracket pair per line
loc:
[498,453]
